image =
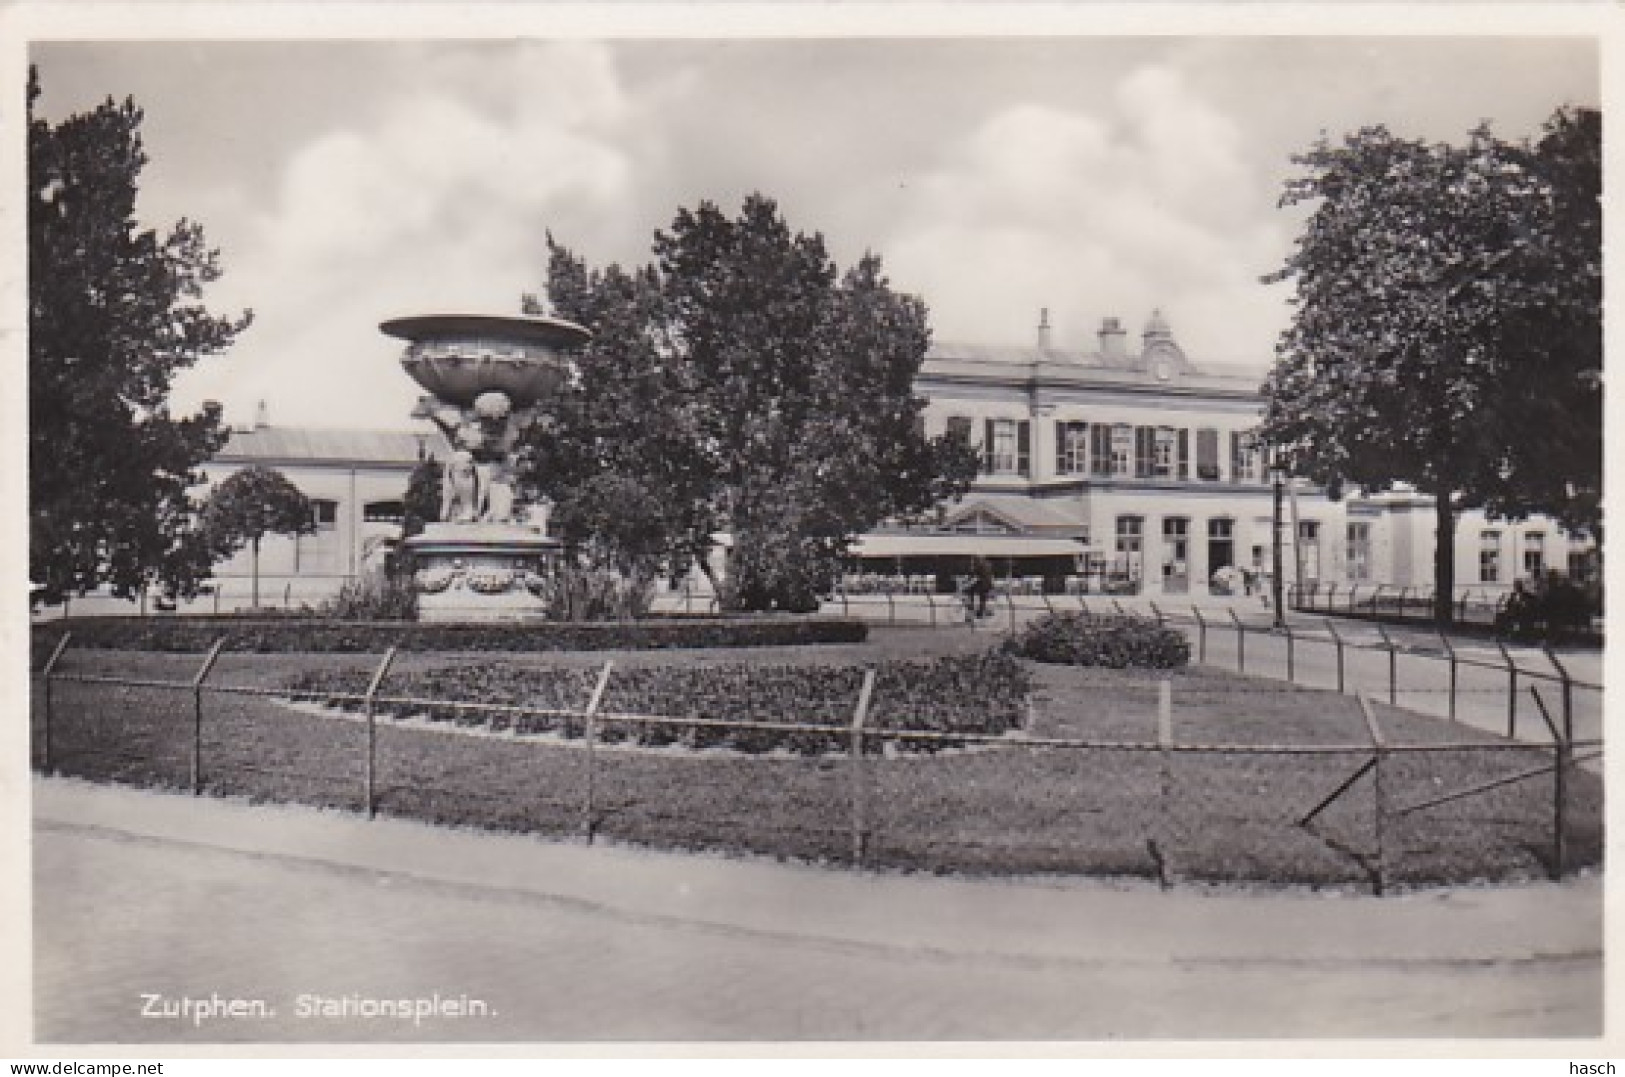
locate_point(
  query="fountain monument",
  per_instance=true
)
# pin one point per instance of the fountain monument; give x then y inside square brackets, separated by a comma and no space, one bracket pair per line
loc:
[488,378]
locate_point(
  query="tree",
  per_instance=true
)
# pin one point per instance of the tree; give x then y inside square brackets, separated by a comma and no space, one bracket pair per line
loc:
[421,504]
[1422,348]
[250,504]
[748,386]
[113,317]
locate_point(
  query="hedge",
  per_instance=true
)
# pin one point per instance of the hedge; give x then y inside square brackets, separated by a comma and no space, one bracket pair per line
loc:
[197,634]
[1118,641]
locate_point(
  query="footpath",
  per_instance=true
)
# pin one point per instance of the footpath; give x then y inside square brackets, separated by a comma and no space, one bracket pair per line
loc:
[1506,961]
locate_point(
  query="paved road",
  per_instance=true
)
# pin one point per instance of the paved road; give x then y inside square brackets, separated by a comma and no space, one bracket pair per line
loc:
[151,894]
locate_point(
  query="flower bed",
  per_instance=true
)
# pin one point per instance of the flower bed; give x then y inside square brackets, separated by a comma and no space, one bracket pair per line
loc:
[198,634]
[983,694]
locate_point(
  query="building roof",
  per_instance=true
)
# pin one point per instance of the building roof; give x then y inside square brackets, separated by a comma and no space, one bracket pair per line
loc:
[932,543]
[313,444]
[1022,510]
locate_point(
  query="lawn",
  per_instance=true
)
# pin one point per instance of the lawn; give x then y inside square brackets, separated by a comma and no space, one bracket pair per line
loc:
[1012,807]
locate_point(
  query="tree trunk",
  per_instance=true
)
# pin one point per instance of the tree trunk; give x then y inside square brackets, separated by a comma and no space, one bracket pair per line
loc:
[1444,559]
[254,544]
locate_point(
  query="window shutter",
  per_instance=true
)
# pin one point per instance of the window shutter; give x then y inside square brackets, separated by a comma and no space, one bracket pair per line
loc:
[1145,450]
[1061,447]
[1235,456]
[1183,468]
[987,446]
[1100,449]
[1024,447]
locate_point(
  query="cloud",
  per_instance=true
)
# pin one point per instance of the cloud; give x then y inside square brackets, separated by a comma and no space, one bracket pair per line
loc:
[439,202]
[1149,200]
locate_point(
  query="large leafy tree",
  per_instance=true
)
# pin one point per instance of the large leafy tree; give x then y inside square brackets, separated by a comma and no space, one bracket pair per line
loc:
[1442,304]
[250,504]
[744,384]
[113,317]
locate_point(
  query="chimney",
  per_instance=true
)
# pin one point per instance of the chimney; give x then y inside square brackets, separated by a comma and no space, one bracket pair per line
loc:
[262,416]
[1043,329]
[1112,338]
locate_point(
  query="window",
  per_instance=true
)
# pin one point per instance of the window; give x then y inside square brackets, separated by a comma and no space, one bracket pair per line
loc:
[383,512]
[1122,449]
[1163,453]
[1101,453]
[1309,548]
[1007,447]
[1207,455]
[1243,458]
[1489,557]
[1145,449]
[1071,448]
[1534,553]
[319,553]
[959,427]
[1359,552]
[326,514]
[1130,544]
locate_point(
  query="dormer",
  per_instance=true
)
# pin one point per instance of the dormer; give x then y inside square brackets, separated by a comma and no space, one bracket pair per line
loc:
[1160,355]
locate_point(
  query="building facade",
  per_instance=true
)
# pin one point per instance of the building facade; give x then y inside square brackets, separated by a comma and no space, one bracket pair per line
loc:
[1122,467]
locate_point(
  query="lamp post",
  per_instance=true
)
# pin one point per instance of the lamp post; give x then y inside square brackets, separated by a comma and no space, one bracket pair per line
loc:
[1278,482]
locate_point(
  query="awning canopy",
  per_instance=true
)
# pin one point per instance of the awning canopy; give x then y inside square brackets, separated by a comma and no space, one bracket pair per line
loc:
[949,545]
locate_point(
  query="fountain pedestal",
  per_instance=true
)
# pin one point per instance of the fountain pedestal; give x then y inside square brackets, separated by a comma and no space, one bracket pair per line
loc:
[480,572]
[488,378]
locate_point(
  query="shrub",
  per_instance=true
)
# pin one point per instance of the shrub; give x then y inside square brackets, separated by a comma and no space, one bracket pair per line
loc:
[195,635]
[374,597]
[1119,641]
[572,593]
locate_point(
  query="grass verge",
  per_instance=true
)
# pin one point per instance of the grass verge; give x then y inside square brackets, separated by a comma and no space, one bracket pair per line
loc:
[1014,807]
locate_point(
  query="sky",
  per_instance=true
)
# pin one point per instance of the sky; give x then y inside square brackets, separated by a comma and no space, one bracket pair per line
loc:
[346,183]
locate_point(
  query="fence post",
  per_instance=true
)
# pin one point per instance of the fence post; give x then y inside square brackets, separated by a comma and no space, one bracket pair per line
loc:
[590,809]
[1165,742]
[1010,600]
[1568,693]
[1049,607]
[197,714]
[46,762]
[1512,690]
[1291,663]
[1354,589]
[1241,643]
[1331,596]
[859,789]
[372,730]
[931,603]
[1562,752]
[1393,665]
[1118,606]
[1201,634]
[1338,641]
[216,590]
[1379,746]
[1465,595]
[1157,613]
[1450,650]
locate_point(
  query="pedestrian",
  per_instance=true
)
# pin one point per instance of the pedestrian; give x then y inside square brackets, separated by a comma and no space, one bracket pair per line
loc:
[981,585]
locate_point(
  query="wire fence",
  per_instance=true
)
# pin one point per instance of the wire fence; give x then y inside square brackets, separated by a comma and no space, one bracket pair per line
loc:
[1166,803]
[1475,681]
